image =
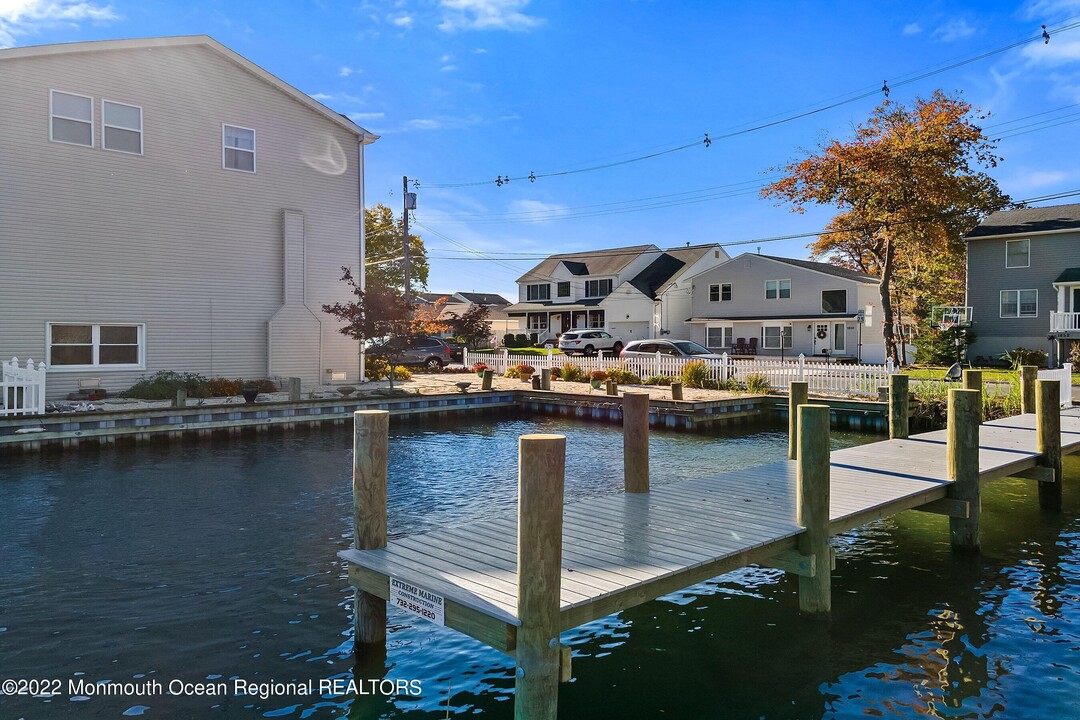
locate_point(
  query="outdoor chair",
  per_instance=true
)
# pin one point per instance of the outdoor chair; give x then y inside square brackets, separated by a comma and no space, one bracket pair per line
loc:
[752,349]
[740,347]
[954,373]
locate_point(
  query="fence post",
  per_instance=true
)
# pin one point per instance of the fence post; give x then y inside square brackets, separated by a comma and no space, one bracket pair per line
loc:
[798,394]
[728,368]
[181,398]
[485,383]
[815,593]
[802,367]
[973,381]
[890,366]
[465,358]
[506,361]
[676,389]
[541,473]
[635,407]
[294,389]
[657,362]
[962,463]
[371,431]
[612,387]
[899,410]
[1048,440]
[545,378]
[1028,375]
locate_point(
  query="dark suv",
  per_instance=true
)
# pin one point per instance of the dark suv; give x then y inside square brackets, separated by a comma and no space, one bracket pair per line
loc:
[430,352]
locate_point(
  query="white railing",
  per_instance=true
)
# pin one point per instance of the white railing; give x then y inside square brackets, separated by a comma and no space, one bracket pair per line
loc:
[1064,378]
[22,389]
[821,377]
[1064,322]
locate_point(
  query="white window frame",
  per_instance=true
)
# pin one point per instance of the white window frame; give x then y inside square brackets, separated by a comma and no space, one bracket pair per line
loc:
[778,289]
[599,282]
[597,316]
[52,114]
[727,333]
[839,338]
[95,339]
[537,321]
[788,337]
[253,151]
[835,312]
[558,289]
[1018,315]
[538,298]
[719,292]
[1015,267]
[106,125]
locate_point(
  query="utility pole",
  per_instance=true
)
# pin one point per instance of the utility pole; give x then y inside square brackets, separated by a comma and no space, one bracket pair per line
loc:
[408,203]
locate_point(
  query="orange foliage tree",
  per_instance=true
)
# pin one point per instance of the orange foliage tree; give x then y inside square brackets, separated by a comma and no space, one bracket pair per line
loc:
[427,318]
[907,186]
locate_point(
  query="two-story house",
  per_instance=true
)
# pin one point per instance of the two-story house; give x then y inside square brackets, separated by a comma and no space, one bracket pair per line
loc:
[1023,281]
[767,305]
[499,323]
[167,204]
[632,292]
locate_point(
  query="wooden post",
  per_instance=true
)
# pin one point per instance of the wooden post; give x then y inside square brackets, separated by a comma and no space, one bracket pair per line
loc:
[676,389]
[181,398]
[1048,440]
[635,420]
[535,380]
[541,471]
[899,409]
[612,387]
[962,463]
[973,381]
[1028,375]
[371,431]
[486,382]
[545,378]
[798,394]
[815,593]
[294,389]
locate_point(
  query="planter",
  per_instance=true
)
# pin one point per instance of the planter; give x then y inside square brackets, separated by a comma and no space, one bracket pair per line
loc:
[480,374]
[526,378]
[249,394]
[595,384]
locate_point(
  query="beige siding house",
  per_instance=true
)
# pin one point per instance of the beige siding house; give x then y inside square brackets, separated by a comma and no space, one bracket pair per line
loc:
[168,205]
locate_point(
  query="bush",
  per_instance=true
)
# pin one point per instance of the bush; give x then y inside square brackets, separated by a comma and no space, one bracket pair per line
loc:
[758,384]
[263,386]
[223,387]
[623,376]
[525,369]
[377,368]
[164,384]
[696,374]
[512,373]
[479,367]
[572,373]
[1022,356]
[522,340]
[938,347]
[555,370]
[657,380]
[732,385]
[508,340]
[598,376]
[1074,353]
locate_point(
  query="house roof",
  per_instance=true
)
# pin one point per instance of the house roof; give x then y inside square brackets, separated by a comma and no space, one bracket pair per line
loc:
[518,309]
[432,297]
[689,255]
[484,298]
[365,136]
[658,272]
[593,262]
[1027,221]
[1070,275]
[827,268]
[797,316]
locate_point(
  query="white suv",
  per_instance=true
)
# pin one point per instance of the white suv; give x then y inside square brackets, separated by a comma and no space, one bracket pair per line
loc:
[587,342]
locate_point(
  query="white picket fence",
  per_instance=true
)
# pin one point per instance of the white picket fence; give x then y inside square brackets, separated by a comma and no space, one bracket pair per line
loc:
[1064,378]
[821,377]
[22,389]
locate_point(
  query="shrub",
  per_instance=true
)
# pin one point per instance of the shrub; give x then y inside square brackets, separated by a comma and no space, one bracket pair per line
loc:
[598,376]
[555,370]
[525,369]
[573,373]
[223,387]
[377,368]
[508,340]
[731,385]
[164,384]
[522,340]
[758,384]
[512,372]
[1074,353]
[658,380]
[938,347]
[623,376]
[1023,356]
[695,374]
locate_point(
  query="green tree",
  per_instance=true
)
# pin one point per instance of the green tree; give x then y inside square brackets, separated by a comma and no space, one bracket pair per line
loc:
[907,186]
[472,326]
[384,262]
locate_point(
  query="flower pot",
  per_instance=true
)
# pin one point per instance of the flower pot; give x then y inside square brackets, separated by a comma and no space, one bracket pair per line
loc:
[595,384]
[249,394]
[526,378]
[480,373]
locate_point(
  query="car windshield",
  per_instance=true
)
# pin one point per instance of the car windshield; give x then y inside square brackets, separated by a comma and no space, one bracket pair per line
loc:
[691,348]
[570,336]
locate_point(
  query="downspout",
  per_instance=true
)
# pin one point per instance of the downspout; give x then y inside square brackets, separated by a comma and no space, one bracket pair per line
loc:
[363,238]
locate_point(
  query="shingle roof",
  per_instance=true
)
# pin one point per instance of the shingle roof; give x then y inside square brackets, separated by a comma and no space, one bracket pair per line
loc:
[1070,275]
[689,255]
[827,268]
[484,298]
[1028,220]
[432,297]
[658,272]
[594,262]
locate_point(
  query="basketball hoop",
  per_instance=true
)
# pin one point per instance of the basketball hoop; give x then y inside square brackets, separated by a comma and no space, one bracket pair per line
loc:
[946,325]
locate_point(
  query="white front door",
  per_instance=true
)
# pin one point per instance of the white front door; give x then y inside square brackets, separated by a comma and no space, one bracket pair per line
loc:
[822,338]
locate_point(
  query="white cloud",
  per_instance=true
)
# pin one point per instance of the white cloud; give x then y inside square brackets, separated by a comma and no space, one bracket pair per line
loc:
[346,71]
[1042,10]
[443,122]
[1026,180]
[912,28]
[24,17]
[321,97]
[1053,54]
[446,58]
[362,116]
[403,21]
[448,68]
[953,30]
[536,210]
[480,51]
[487,15]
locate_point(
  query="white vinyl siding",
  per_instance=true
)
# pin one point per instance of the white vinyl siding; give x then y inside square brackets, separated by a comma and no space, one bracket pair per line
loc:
[238,148]
[564,289]
[597,288]
[80,346]
[773,335]
[777,289]
[71,118]
[1019,303]
[537,292]
[1017,253]
[121,127]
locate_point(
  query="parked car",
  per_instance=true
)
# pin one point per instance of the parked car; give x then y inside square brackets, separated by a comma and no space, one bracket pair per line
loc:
[429,352]
[457,349]
[679,348]
[588,342]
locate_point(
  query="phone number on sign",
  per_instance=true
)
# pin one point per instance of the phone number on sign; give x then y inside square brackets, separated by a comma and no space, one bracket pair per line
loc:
[418,609]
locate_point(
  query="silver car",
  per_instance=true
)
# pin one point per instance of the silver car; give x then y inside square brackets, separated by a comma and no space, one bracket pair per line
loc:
[678,348]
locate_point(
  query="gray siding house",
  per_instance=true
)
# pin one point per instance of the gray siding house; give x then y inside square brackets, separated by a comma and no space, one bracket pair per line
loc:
[169,205]
[773,306]
[1023,281]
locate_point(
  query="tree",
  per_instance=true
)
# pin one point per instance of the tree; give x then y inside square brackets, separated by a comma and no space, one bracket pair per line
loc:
[908,185]
[427,318]
[385,264]
[473,326]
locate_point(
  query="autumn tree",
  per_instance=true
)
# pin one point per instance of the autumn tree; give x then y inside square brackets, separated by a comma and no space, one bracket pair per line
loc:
[427,318]
[473,326]
[909,183]
[384,257]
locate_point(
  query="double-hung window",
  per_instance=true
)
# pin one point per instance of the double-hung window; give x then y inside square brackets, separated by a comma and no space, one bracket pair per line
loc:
[1019,303]
[1017,253]
[719,337]
[564,289]
[238,148]
[538,292]
[777,289]
[71,118]
[720,292]
[775,337]
[122,128]
[597,288]
[77,345]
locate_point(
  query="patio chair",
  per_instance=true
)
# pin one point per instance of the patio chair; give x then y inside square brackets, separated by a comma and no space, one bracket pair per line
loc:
[752,349]
[954,373]
[740,347]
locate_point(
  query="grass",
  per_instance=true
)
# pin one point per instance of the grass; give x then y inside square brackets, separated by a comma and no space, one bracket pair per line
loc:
[935,372]
[523,351]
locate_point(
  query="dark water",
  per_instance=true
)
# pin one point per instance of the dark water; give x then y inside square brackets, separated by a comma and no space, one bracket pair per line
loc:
[213,563]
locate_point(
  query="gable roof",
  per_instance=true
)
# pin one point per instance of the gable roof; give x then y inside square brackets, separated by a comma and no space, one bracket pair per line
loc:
[826,268]
[689,255]
[1027,221]
[365,136]
[432,297]
[592,262]
[484,298]
[658,272]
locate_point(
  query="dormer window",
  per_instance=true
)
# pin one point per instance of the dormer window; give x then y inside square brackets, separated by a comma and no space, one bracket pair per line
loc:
[564,290]
[597,288]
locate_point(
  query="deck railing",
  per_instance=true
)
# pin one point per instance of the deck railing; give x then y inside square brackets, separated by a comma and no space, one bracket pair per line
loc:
[1064,378]
[1064,322]
[22,389]
[821,377]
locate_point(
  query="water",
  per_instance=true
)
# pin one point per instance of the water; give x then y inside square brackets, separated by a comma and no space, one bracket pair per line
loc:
[211,563]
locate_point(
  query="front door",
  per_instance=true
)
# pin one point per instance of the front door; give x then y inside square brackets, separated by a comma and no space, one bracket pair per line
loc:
[1076,299]
[822,338]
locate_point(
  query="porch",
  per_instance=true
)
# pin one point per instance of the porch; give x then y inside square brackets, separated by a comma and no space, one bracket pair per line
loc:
[819,337]
[549,321]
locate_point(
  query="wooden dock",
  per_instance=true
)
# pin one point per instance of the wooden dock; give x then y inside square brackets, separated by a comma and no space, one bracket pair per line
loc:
[622,550]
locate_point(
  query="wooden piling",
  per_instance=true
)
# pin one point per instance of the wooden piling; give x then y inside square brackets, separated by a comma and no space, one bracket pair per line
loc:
[485,383]
[545,378]
[815,593]
[535,382]
[676,390]
[541,471]
[294,389]
[899,406]
[798,394]
[1028,375]
[962,464]
[181,398]
[635,411]
[612,387]
[1048,440]
[973,381]
[371,430]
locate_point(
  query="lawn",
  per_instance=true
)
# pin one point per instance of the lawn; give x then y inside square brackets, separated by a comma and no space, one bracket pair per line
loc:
[523,351]
[934,372]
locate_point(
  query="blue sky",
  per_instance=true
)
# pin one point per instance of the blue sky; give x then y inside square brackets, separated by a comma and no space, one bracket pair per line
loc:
[464,91]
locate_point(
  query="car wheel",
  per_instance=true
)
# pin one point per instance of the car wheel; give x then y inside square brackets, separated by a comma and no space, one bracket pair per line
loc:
[433,363]
[617,348]
[588,350]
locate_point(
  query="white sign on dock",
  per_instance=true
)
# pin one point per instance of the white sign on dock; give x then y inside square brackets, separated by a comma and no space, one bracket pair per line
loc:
[418,601]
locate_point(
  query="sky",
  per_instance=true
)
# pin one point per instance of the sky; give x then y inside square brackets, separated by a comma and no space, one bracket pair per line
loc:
[463,92]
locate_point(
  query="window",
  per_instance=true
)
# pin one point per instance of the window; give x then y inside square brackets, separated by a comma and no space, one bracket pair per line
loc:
[108,346]
[121,127]
[1019,303]
[71,118]
[597,288]
[596,318]
[833,301]
[538,292]
[564,289]
[775,337]
[238,148]
[538,321]
[1017,253]
[777,289]
[719,336]
[839,338]
[720,292]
